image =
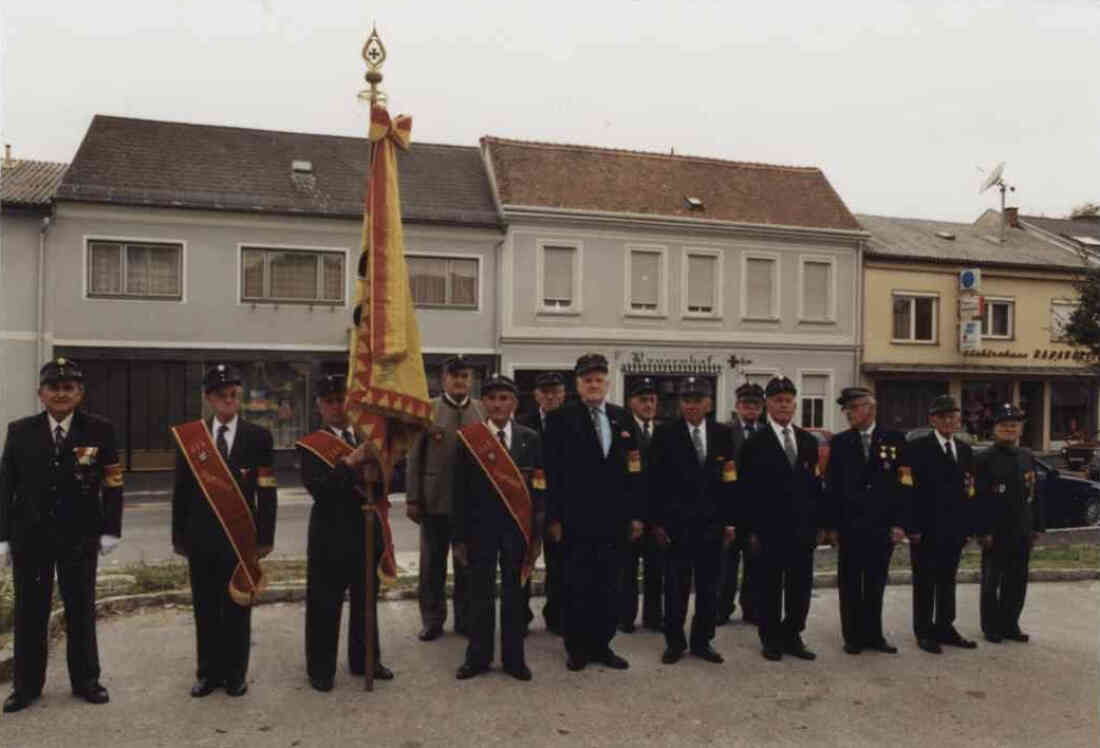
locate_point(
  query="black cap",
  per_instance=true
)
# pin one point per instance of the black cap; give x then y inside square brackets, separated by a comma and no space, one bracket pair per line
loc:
[549,379]
[1007,412]
[780,386]
[455,363]
[694,387]
[848,394]
[59,370]
[499,382]
[643,386]
[943,404]
[220,375]
[750,391]
[333,384]
[590,362]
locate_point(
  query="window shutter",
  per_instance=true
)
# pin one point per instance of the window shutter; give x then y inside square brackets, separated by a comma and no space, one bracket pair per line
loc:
[760,283]
[557,282]
[701,279]
[644,282]
[816,287]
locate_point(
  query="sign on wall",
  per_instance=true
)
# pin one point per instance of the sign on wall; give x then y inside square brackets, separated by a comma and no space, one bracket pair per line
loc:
[970,335]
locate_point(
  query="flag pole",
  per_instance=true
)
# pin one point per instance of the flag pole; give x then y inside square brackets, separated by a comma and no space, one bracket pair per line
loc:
[374,54]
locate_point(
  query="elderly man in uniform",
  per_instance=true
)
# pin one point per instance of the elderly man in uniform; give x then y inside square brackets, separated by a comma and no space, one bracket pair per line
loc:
[643,406]
[499,512]
[549,395]
[781,464]
[430,498]
[939,470]
[60,507]
[693,478]
[596,504]
[1009,519]
[749,420]
[335,468]
[869,510]
[223,626]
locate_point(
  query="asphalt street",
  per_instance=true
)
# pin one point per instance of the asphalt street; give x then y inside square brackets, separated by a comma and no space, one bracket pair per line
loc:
[1006,695]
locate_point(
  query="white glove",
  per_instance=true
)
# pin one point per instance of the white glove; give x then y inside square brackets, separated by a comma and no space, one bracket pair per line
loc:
[107,544]
[5,553]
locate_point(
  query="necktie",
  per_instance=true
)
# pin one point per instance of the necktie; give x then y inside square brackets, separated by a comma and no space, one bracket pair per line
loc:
[500,435]
[788,446]
[949,451]
[697,440]
[348,437]
[223,445]
[58,440]
[648,430]
[602,434]
[866,437]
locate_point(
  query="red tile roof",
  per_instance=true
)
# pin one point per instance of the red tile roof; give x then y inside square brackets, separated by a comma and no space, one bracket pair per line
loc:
[28,183]
[586,178]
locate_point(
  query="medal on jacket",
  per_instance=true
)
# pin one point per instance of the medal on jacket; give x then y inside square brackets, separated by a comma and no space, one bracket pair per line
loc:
[538,480]
[634,461]
[729,471]
[968,483]
[999,488]
[905,476]
[85,456]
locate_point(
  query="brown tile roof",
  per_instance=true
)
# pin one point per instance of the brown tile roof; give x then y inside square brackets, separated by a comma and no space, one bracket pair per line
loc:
[29,184]
[172,164]
[617,181]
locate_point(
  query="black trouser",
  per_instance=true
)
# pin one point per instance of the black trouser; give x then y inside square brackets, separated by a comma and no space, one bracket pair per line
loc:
[934,569]
[553,611]
[697,553]
[435,543]
[863,565]
[651,558]
[735,556]
[33,575]
[328,578]
[783,577]
[1004,585]
[486,547]
[222,628]
[592,574]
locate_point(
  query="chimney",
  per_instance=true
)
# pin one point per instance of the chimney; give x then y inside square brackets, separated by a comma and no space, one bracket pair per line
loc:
[7,154]
[1012,216]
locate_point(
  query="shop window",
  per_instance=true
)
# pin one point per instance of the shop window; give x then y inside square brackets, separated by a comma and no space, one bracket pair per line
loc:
[760,300]
[668,401]
[443,281]
[559,275]
[139,270]
[702,283]
[903,404]
[1069,411]
[292,276]
[645,281]
[813,394]
[273,395]
[914,318]
[979,399]
[817,290]
[997,318]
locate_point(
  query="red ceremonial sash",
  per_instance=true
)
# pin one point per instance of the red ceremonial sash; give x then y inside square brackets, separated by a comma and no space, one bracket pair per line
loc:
[330,449]
[229,506]
[508,481]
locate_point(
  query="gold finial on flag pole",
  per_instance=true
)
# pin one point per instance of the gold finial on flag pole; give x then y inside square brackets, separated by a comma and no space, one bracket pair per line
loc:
[374,54]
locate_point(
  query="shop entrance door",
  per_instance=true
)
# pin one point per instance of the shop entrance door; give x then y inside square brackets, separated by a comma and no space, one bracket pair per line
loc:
[668,403]
[1031,403]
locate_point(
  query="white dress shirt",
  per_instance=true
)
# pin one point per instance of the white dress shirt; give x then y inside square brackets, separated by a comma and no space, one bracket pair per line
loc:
[66,423]
[506,428]
[944,442]
[230,434]
[702,433]
[779,432]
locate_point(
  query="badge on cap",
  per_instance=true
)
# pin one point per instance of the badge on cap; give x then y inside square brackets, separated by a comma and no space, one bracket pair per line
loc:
[61,362]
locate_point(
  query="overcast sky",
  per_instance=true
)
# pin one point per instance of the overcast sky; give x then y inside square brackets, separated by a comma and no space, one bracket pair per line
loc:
[899,102]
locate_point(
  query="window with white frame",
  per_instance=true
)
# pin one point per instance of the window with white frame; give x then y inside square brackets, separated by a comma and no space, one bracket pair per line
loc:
[443,281]
[1060,313]
[140,270]
[914,318]
[645,281]
[817,290]
[760,291]
[814,394]
[998,318]
[759,378]
[558,272]
[702,284]
[295,276]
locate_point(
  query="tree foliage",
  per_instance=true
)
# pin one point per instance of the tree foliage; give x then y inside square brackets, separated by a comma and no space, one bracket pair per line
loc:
[1083,328]
[1086,210]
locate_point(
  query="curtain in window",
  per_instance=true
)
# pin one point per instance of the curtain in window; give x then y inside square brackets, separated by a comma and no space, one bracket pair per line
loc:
[152,270]
[701,280]
[252,275]
[815,290]
[761,280]
[428,280]
[464,282]
[334,277]
[557,282]
[644,282]
[105,268]
[293,275]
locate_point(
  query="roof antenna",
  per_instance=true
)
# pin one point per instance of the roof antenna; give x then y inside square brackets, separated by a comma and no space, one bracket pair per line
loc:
[996,178]
[672,150]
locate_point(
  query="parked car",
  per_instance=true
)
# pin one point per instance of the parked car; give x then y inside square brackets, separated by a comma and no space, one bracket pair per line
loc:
[1070,501]
[823,437]
[1079,454]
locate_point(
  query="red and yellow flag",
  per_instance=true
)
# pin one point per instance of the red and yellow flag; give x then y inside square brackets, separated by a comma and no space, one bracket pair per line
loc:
[387,395]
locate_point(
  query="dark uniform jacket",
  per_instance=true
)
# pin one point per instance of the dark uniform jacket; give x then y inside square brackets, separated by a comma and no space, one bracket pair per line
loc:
[788,503]
[594,497]
[942,501]
[194,522]
[533,422]
[865,496]
[1006,504]
[739,436]
[76,498]
[478,506]
[336,525]
[684,493]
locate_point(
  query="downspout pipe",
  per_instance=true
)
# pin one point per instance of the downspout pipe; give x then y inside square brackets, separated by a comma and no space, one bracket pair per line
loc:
[40,332]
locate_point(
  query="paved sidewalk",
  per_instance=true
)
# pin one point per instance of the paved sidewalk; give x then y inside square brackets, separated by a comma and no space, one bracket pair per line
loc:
[1043,693]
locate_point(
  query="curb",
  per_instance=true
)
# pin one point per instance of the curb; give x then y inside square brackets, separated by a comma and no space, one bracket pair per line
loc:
[405,589]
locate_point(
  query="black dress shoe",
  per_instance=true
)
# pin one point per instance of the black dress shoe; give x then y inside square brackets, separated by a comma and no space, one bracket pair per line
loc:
[798,649]
[93,693]
[236,688]
[626,628]
[324,685]
[852,649]
[204,687]
[575,663]
[469,670]
[672,655]
[428,633]
[955,639]
[930,645]
[709,654]
[1017,636]
[772,653]
[612,660]
[994,638]
[519,673]
[884,647]
[381,672]
[17,701]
